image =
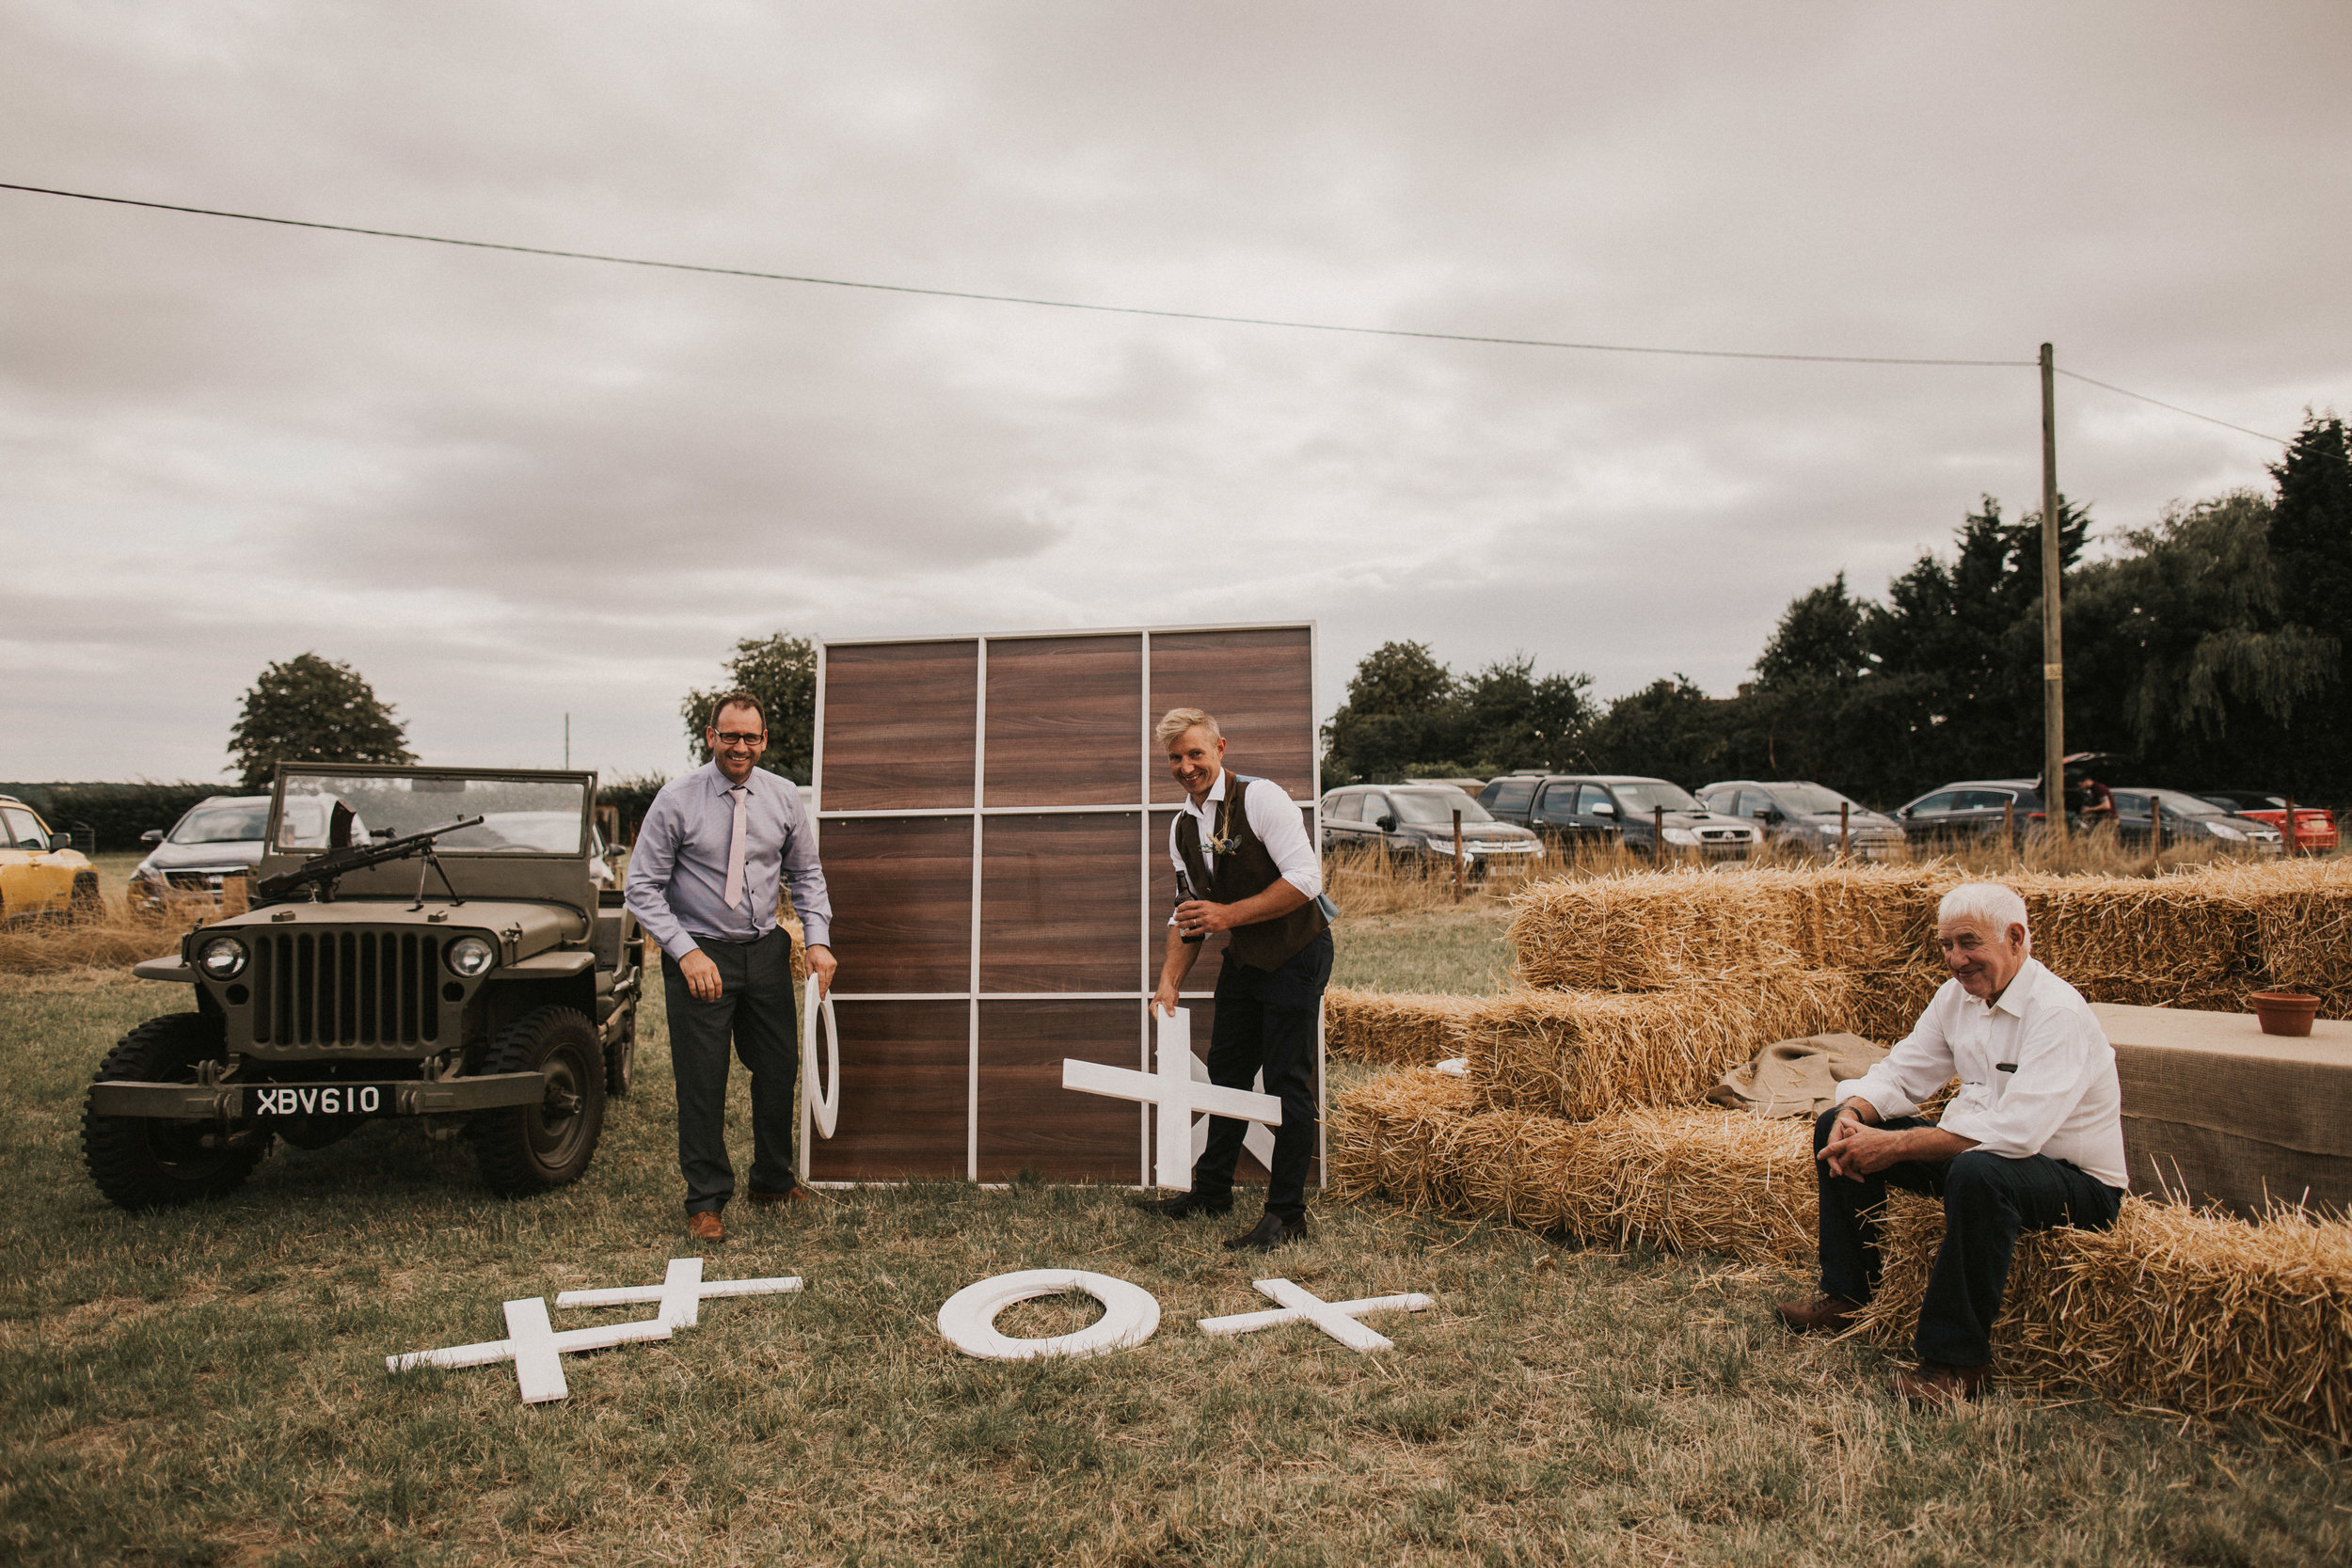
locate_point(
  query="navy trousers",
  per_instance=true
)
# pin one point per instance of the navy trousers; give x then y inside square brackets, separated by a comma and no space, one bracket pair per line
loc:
[1988,1200]
[1265,1021]
[758,1011]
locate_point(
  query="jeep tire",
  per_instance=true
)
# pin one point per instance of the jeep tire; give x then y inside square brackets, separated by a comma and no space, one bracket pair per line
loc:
[532,1149]
[150,1162]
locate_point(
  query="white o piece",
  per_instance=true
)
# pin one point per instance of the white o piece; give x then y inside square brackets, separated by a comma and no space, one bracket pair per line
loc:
[1130,1315]
[824,1109]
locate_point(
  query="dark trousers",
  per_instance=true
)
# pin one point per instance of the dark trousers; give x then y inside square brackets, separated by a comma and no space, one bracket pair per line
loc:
[1987,1199]
[757,1008]
[1265,1022]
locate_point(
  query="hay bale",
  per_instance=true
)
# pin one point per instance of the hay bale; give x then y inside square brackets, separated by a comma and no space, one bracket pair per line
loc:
[1580,1055]
[2201,937]
[2174,1309]
[1398,1028]
[1691,1178]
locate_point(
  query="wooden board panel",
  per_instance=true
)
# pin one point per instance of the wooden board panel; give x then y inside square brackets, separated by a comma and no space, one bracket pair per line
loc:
[1064,715]
[1058,903]
[1261,685]
[899,724]
[905,1081]
[1028,1121]
[901,902]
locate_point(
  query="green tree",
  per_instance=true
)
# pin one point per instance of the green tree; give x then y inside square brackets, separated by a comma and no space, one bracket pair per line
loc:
[1669,729]
[1819,640]
[780,671]
[312,709]
[1513,718]
[1398,719]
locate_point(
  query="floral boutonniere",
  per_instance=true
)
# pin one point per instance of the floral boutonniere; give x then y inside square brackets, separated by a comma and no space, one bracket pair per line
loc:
[1225,841]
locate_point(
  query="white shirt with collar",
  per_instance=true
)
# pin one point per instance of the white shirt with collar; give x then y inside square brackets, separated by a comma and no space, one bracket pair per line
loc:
[1273,816]
[2037,1075]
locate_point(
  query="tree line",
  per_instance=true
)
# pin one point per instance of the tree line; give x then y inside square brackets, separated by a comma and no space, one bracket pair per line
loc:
[2203,651]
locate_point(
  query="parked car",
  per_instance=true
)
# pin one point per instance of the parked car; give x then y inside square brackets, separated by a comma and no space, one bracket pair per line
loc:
[1573,809]
[2142,816]
[1805,816]
[2314,829]
[1973,809]
[41,875]
[1418,820]
[219,836]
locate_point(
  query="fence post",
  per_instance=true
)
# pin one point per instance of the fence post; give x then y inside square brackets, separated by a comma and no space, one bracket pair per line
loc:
[1658,835]
[2294,840]
[1457,855]
[2009,826]
[1843,827]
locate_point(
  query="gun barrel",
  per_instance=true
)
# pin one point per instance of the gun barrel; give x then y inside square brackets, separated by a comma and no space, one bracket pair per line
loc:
[356,857]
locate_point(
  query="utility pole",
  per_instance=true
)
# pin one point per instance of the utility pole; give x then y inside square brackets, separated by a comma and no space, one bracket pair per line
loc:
[567,743]
[2053,655]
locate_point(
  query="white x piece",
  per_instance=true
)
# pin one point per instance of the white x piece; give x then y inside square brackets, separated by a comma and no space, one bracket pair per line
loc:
[1335,1318]
[534,1347]
[681,1292]
[1173,1091]
[1255,1138]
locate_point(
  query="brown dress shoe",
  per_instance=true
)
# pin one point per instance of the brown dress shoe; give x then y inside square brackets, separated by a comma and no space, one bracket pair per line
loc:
[1931,1385]
[792,1197]
[704,1226]
[1829,1315]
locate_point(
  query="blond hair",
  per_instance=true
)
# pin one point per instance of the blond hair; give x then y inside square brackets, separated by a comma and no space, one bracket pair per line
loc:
[1176,720]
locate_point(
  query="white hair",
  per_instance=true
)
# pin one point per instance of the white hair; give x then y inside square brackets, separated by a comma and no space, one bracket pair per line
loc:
[1991,903]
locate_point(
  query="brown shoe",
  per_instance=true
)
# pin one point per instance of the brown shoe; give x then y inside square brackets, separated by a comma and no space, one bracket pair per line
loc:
[1829,1315]
[1931,1385]
[791,1196]
[704,1226]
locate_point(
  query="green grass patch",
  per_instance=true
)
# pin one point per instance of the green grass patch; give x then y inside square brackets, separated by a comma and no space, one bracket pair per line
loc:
[208,1386]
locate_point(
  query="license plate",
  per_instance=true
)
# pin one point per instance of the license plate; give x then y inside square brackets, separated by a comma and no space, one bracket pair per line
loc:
[318,1099]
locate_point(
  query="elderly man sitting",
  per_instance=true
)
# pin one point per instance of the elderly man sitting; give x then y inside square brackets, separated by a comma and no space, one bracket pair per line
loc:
[2034,1139]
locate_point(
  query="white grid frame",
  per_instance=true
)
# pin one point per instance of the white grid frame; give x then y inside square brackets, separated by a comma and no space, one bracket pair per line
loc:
[979,811]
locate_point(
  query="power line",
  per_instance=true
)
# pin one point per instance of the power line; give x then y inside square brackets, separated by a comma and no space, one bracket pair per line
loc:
[1120,310]
[1009,299]
[2076,375]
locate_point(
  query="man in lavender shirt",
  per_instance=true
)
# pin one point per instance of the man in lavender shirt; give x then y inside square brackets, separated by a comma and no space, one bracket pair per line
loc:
[703,881]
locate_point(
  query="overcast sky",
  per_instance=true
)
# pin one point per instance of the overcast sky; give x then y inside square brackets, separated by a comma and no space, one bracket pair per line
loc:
[505,486]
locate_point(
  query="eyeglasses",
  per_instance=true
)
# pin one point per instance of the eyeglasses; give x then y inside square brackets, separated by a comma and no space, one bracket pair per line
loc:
[737,738]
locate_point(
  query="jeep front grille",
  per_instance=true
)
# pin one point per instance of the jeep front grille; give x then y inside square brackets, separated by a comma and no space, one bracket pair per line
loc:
[346,988]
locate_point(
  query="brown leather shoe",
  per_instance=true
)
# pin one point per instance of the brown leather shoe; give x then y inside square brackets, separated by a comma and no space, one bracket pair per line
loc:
[791,1198]
[704,1226]
[1829,1315]
[1931,1385]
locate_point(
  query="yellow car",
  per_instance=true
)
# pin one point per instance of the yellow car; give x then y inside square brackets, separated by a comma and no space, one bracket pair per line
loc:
[41,872]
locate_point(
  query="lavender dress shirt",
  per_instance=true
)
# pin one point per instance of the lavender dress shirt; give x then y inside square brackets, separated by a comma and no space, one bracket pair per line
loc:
[677,872]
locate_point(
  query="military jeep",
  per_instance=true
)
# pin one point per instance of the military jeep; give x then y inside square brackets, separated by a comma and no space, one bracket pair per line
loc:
[441,943]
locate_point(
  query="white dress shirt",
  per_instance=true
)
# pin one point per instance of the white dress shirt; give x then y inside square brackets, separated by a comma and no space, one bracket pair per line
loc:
[2037,1075]
[1273,816]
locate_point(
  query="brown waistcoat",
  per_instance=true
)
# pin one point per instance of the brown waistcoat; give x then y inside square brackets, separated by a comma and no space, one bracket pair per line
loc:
[1242,872]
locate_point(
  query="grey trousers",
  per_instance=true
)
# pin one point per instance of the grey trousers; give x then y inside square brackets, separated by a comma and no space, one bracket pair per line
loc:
[757,1011]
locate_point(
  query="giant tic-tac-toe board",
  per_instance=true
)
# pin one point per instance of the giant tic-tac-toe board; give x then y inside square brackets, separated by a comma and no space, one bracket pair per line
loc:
[992,815]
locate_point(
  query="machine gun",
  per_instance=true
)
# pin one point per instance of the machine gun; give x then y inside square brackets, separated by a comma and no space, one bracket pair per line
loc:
[322,871]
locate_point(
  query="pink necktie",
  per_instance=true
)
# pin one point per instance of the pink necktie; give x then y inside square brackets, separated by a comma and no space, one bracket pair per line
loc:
[735,846]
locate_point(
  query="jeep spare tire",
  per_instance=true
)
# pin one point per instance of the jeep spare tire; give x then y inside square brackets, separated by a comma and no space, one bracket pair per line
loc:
[532,1148]
[150,1161]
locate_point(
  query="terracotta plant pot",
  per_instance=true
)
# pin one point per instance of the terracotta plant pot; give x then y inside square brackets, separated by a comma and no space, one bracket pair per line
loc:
[2282,1013]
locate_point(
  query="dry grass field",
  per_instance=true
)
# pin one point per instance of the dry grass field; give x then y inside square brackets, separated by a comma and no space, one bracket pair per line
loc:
[208,1386]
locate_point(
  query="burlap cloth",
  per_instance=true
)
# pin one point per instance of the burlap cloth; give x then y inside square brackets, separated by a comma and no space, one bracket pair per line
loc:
[1797,1078]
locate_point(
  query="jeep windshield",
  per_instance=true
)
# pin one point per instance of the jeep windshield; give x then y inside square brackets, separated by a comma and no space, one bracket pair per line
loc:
[520,816]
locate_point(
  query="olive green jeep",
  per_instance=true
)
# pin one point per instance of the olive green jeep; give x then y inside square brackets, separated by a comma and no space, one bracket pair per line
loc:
[443,943]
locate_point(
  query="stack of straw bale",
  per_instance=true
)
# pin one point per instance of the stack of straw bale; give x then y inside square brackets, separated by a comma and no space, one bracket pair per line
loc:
[1586,1054]
[1397,1028]
[1692,1179]
[2174,1309]
[2201,938]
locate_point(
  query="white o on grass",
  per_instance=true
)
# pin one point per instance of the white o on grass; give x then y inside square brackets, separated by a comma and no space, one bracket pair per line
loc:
[1130,1314]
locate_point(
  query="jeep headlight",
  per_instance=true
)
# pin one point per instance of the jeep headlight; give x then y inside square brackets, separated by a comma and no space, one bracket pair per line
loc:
[470,956]
[221,959]
[1681,836]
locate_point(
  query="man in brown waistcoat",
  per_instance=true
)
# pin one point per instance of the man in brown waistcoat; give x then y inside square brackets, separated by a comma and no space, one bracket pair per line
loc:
[1245,865]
